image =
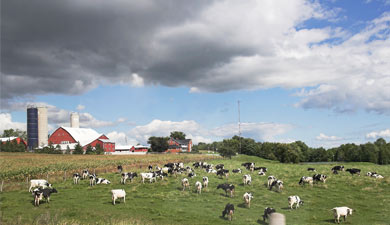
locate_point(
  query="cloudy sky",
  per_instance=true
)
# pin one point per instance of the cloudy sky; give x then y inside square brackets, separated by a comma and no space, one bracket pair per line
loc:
[316,71]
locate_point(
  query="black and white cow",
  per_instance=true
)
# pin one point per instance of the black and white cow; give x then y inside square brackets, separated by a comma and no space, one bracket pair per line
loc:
[353,171]
[40,193]
[120,168]
[248,196]
[211,171]
[39,183]
[246,165]
[377,176]
[92,179]
[370,173]
[320,177]
[237,170]
[271,179]
[311,169]
[262,169]
[338,168]
[229,211]
[247,179]
[227,188]
[267,212]
[205,182]
[149,176]
[76,178]
[150,167]
[294,200]
[191,175]
[223,172]
[278,184]
[261,173]
[185,183]
[171,165]
[305,180]
[129,176]
[85,174]
[198,187]
[219,166]
[101,180]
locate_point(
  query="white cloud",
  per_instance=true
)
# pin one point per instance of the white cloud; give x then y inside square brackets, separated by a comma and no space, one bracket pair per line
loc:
[323,137]
[80,107]
[378,134]
[7,123]
[121,138]
[193,130]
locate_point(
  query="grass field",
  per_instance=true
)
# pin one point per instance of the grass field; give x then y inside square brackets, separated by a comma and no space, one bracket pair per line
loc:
[164,202]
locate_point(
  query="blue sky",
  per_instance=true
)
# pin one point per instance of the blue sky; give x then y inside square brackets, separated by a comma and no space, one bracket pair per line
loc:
[316,71]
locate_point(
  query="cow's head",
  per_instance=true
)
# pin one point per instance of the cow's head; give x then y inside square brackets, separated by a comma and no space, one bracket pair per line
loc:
[54,190]
[349,211]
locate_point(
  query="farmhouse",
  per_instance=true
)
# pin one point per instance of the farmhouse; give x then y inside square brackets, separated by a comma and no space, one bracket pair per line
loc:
[10,139]
[176,145]
[130,150]
[70,136]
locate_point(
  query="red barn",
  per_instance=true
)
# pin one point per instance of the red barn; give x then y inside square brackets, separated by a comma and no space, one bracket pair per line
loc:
[175,145]
[69,136]
[10,139]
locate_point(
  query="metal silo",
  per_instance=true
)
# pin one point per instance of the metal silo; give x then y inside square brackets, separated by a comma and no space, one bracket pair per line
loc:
[42,126]
[74,120]
[32,127]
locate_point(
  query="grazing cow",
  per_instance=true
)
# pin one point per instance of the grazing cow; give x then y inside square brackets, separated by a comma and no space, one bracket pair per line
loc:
[247,198]
[167,170]
[198,187]
[305,180]
[252,167]
[247,179]
[319,177]
[341,211]
[278,184]
[219,166]
[229,211]
[102,181]
[267,212]
[129,176]
[191,175]
[370,174]
[158,168]
[188,169]
[196,165]
[39,183]
[205,182]
[377,176]
[263,169]
[150,167]
[223,172]
[120,168]
[118,193]
[85,174]
[237,170]
[92,179]
[211,171]
[150,176]
[185,183]
[335,172]
[40,193]
[271,179]
[227,188]
[311,169]
[171,165]
[246,165]
[338,168]
[353,171]
[261,173]
[76,178]
[294,200]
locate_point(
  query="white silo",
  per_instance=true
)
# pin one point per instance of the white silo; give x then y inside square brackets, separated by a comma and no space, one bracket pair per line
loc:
[42,126]
[74,120]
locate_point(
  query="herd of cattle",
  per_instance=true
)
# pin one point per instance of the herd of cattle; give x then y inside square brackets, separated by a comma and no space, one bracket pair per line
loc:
[42,189]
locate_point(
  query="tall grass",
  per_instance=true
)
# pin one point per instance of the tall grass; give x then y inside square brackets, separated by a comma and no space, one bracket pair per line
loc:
[163,202]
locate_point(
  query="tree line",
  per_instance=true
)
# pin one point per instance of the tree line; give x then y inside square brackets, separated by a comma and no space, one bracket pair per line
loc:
[377,152]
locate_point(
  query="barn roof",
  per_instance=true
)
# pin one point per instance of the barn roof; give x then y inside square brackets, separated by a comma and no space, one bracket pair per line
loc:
[83,135]
[7,139]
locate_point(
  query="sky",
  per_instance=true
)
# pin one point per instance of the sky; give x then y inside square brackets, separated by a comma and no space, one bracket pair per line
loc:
[316,71]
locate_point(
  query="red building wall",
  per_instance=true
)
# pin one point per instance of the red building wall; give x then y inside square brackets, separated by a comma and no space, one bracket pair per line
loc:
[61,135]
[108,147]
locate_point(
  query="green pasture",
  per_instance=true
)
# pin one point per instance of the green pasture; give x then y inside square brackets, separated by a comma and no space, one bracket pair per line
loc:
[163,202]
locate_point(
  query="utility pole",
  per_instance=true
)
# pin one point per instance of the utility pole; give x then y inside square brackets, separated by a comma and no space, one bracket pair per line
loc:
[239,125]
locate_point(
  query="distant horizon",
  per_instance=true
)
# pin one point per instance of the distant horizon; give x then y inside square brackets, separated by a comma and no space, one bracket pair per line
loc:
[314,71]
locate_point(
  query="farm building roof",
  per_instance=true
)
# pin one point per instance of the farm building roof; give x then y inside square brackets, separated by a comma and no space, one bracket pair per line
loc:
[7,139]
[83,135]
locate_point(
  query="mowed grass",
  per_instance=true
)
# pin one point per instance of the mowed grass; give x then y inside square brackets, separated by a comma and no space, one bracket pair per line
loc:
[164,202]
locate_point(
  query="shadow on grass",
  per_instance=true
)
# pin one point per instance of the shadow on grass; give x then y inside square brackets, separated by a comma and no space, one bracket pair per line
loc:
[242,205]
[261,222]
[329,221]
[286,208]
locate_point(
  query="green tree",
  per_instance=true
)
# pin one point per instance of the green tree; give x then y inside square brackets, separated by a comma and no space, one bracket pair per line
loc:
[158,144]
[15,133]
[89,150]
[178,135]
[229,148]
[99,149]
[78,149]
